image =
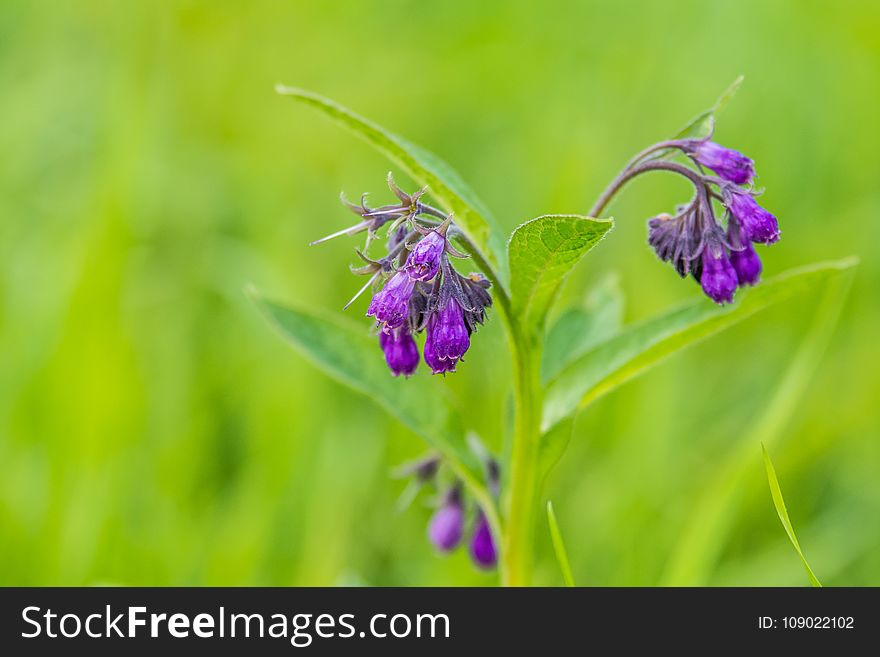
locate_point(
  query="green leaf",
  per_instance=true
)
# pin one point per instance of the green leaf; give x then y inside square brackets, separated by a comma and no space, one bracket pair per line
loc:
[782,512]
[703,125]
[444,184]
[559,546]
[580,328]
[553,445]
[541,253]
[347,353]
[644,345]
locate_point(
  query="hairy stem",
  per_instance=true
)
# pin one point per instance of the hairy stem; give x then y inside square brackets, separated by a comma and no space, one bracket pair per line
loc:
[518,540]
[635,168]
[482,264]
[517,554]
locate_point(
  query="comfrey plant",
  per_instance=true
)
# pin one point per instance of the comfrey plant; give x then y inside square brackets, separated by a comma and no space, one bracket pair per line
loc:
[419,297]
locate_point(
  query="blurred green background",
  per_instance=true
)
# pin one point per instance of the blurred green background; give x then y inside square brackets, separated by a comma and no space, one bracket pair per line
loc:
[154,430]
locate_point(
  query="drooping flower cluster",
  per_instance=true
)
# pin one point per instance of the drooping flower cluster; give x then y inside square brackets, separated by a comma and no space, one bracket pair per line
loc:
[448,524]
[720,257]
[418,288]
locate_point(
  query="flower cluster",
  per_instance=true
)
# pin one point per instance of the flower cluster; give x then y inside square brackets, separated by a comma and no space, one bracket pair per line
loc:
[418,289]
[721,258]
[447,525]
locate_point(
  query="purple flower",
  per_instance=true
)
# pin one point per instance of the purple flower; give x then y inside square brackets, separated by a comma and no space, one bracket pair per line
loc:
[717,278]
[447,524]
[389,305]
[447,338]
[745,261]
[424,260]
[747,265]
[726,162]
[482,546]
[433,361]
[757,224]
[401,352]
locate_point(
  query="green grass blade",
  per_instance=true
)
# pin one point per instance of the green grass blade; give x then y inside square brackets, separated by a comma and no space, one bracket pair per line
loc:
[559,546]
[782,512]
[710,523]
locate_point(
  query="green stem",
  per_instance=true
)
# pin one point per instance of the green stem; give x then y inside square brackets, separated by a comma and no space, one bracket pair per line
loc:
[518,543]
[517,553]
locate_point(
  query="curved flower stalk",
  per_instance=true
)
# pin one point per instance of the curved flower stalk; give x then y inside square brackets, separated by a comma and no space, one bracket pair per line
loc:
[416,288]
[718,252]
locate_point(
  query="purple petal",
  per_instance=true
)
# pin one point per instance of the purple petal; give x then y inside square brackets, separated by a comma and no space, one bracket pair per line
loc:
[482,546]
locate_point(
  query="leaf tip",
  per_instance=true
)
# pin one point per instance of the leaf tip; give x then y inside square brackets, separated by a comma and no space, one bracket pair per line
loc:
[251,292]
[283,90]
[849,262]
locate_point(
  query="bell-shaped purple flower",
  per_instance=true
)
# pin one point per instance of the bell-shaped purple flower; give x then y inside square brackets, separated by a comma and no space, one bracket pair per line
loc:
[433,360]
[401,351]
[717,278]
[447,338]
[447,523]
[757,223]
[745,261]
[726,162]
[482,548]
[389,305]
[424,259]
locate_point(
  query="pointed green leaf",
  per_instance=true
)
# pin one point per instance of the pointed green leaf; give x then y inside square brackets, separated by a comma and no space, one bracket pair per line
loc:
[347,353]
[443,182]
[579,329]
[541,253]
[559,546]
[782,512]
[643,345]
[703,124]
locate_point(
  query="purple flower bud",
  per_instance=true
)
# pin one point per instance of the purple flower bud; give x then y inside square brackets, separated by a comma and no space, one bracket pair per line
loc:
[726,162]
[718,278]
[389,305]
[747,265]
[483,550]
[447,524]
[757,224]
[424,260]
[401,352]
[448,332]
[745,261]
[447,338]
